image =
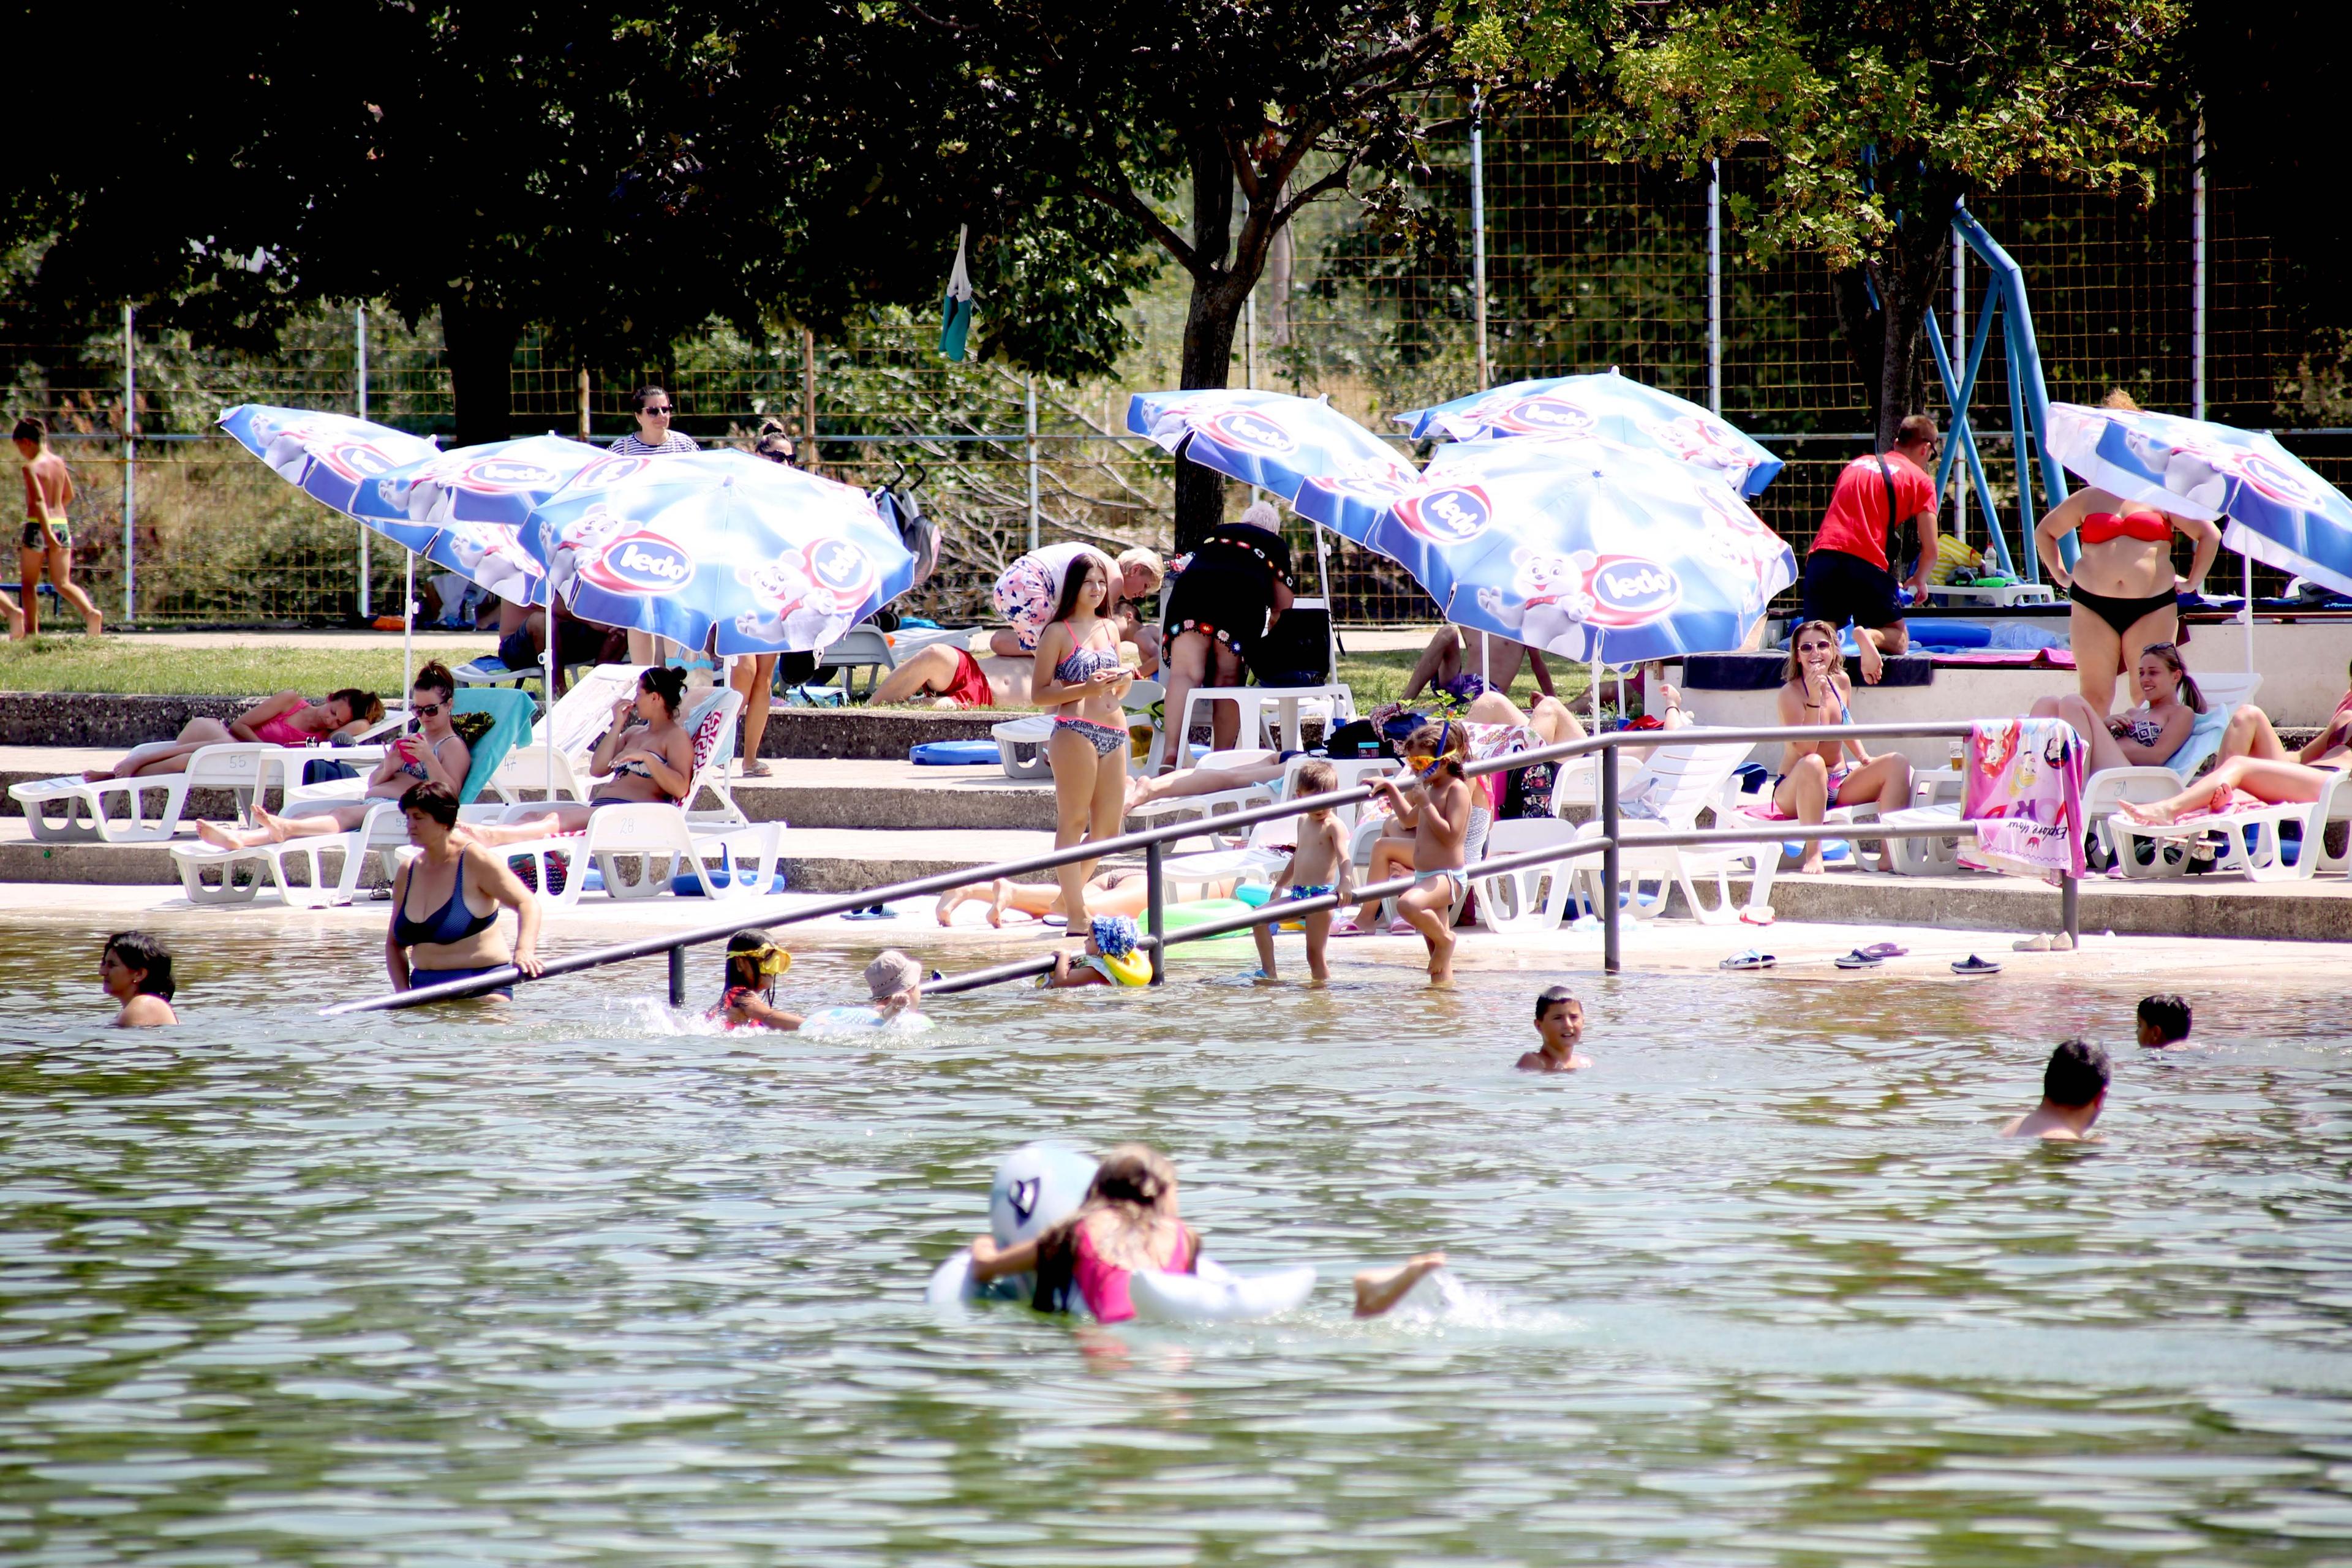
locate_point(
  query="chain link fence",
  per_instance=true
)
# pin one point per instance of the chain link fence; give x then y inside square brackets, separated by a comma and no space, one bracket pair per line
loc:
[1590,264]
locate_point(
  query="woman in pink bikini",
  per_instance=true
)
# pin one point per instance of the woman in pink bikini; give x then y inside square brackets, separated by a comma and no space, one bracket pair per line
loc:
[288,719]
[1128,1222]
[1815,775]
[2123,584]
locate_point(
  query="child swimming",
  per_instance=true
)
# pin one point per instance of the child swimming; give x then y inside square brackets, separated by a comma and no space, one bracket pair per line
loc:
[2164,1021]
[753,962]
[1559,1024]
[1129,1221]
[1111,958]
[1440,820]
[136,970]
[1319,864]
[2073,1092]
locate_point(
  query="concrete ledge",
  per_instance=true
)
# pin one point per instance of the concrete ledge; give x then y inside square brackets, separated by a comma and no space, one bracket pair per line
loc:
[2316,911]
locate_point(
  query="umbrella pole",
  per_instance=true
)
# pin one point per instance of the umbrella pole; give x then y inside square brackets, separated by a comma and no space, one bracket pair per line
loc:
[1594,665]
[2246,609]
[1486,659]
[1330,608]
[408,625]
[547,691]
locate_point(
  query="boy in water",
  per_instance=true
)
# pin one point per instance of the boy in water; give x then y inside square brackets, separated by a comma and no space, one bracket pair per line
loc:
[1440,820]
[1111,958]
[1319,864]
[2073,1090]
[48,537]
[1559,1024]
[2163,1021]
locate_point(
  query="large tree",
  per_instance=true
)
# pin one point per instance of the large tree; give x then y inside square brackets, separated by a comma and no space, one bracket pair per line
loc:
[1871,120]
[1201,126]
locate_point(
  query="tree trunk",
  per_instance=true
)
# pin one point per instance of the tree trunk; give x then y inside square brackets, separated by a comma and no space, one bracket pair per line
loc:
[479,345]
[1885,334]
[1209,322]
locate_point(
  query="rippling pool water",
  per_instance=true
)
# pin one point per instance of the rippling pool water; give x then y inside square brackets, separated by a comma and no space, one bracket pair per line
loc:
[1762,1288]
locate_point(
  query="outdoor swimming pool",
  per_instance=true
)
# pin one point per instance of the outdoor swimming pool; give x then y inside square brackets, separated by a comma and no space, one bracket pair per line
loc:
[1761,1289]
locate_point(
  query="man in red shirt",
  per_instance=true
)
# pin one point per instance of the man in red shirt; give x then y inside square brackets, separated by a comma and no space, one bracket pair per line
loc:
[1847,574]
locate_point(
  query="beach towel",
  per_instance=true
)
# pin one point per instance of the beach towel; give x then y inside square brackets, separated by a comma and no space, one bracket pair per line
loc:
[2024,792]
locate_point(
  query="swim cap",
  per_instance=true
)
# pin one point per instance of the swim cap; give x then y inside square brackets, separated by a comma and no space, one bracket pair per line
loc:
[1115,934]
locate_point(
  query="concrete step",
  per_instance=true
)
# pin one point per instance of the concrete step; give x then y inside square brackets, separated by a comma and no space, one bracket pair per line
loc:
[813,793]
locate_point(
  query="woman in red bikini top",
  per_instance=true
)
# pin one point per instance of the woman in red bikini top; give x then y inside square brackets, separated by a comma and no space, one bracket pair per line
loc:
[2123,583]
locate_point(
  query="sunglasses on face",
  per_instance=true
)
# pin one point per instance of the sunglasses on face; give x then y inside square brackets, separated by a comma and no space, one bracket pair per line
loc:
[658,413]
[429,710]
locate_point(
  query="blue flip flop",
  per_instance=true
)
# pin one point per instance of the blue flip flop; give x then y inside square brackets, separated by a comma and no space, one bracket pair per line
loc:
[1860,959]
[1973,964]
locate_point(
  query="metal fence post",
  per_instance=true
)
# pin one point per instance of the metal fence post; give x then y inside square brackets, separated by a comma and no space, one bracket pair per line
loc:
[359,340]
[1714,286]
[677,976]
[1031,433]
[2071,900]
[1609,827]
[130,467]
[1478,233]
[1154,908]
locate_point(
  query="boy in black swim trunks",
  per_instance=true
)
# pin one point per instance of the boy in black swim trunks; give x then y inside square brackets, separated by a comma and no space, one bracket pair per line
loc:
[47,538]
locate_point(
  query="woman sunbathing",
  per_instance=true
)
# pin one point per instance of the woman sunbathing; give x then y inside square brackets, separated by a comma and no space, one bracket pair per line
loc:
[2253,779]
[288,719]
[647,752]
[1112,893]
[435,753]
[2142,736]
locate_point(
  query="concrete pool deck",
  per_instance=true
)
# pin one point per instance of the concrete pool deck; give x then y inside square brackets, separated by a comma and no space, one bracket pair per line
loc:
[1805,949]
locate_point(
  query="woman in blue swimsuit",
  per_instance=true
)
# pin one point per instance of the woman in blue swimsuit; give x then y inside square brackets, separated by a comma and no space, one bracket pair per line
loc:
[1088,749]
[446,901]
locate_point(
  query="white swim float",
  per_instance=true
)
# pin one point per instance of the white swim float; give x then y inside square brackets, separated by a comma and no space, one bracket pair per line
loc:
[1215,1294]
[843,1020]
[1039,1185]
[1036,1187]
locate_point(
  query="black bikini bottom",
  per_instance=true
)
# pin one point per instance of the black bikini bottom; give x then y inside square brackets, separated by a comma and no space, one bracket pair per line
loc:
[2120,613]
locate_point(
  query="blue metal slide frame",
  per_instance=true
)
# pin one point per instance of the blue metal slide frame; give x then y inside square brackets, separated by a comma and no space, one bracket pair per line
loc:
[2029,400]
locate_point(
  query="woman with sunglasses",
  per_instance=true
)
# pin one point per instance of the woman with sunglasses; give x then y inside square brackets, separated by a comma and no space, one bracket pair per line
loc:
[655,409]
[1815,774]
[432,754]
[2123,584]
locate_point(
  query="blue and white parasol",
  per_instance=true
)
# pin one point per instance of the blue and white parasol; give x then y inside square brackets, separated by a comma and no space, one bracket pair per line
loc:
[1269,439]
[1613,407]
[771,558]
[1583,547]
[2273,507]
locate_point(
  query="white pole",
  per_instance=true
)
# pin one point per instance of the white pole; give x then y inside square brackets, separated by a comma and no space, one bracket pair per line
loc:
[1959,336]
[1249,355]
[359,337]
[1478,233]
[2197,354]
[1033,466]
[130,466]
[1714,286]
[1595,668]
[407,622]
[547,707]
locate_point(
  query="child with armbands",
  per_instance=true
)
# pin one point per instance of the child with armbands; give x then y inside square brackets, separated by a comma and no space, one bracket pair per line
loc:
[1111,958]
[1129,1223]
[1319,864]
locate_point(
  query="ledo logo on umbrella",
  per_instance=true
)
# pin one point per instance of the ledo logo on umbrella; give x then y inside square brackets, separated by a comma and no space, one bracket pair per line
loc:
[610,468]
[1451,516]
[841,568]
[505,474]
[642,562]
[355,460]
[1628,590]
[1253,431]
[1545,416]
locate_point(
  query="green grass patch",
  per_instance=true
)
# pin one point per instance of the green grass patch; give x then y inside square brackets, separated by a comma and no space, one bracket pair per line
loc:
[133,664]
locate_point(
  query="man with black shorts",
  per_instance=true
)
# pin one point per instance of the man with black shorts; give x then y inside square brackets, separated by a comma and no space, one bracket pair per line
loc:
[1848,576]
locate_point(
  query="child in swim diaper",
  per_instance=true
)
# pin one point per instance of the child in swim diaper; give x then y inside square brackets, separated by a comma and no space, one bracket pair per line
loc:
[753,962]
[1110,958]
[1319,864]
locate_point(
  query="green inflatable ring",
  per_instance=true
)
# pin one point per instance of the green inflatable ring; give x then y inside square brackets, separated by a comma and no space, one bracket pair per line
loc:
[1202,911]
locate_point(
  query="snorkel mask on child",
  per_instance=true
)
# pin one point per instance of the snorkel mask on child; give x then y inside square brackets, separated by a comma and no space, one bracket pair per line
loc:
[1425,764]
[767,961]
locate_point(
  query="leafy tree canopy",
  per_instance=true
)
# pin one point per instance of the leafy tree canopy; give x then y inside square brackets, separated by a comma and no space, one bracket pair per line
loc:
[1872,119]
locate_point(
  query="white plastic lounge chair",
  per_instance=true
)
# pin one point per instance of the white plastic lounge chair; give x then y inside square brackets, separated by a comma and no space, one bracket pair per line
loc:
[1265,850]
[1021,742]
[863,647]
[2249,840]
[1534,898]
[571,729]
[1222,803]
[243,873]
[75,811]
[1679,782]
[652,835]
[1739,809]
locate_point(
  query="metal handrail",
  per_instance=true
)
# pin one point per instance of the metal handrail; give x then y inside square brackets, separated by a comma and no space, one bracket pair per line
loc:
[1150,840]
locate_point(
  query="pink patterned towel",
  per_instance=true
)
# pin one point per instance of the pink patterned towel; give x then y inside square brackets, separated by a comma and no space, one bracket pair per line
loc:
[2025,794]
